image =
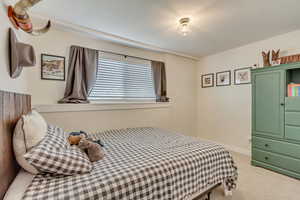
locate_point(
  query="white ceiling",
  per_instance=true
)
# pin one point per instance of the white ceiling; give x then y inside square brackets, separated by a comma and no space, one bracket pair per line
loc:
[216,25]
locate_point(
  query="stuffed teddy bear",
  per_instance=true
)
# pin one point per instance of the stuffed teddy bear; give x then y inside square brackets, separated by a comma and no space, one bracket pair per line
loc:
[92,149]
[74,139]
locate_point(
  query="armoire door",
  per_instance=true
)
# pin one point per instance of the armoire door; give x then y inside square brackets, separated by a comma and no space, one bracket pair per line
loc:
[268,104]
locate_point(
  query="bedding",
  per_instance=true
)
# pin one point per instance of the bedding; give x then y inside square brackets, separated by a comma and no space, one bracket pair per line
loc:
[24,178]
[54,155]
[143,163]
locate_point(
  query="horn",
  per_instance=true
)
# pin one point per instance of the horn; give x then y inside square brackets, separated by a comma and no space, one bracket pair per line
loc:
[18,15]
[42,30]
[22,6]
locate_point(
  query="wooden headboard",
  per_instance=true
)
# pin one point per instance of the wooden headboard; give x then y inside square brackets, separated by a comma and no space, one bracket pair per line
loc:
[12,106]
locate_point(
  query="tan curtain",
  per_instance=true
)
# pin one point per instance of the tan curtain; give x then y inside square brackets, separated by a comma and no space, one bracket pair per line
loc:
[81,75]
[160,81]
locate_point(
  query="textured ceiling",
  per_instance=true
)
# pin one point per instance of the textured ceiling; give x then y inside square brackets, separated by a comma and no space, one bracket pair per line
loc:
[216,25]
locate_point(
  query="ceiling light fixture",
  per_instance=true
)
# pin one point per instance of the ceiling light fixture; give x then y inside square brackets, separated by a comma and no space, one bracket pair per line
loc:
[184,25]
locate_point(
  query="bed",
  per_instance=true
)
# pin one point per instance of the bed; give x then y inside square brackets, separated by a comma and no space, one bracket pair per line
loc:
[140,163]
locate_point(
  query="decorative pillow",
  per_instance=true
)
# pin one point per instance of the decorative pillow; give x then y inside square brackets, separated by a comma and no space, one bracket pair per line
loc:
[29,131]
[35,128]
[20,148]
[56,137]
[65,160]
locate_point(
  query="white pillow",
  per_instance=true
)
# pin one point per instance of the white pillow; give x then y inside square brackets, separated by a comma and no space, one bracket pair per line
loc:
[20,148]
[29,131]
[35,128]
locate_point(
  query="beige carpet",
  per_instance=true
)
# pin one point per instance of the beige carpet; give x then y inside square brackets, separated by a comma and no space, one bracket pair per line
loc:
[256,183]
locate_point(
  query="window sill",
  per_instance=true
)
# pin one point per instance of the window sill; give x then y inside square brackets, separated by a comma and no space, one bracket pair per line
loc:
[54,108]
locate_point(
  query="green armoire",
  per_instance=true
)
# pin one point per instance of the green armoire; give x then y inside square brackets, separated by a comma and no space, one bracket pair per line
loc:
[276,119]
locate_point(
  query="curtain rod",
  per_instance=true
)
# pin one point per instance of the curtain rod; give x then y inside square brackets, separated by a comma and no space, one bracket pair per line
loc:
[120,54]
[125,55]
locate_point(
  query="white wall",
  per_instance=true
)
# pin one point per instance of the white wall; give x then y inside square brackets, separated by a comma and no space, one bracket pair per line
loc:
[181,83]
[224,113]
[58,42]
[181,80]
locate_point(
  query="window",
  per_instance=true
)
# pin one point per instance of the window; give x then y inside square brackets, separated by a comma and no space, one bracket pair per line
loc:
[123,78]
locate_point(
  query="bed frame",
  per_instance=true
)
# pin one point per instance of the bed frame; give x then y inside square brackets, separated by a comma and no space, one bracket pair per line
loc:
[12,107]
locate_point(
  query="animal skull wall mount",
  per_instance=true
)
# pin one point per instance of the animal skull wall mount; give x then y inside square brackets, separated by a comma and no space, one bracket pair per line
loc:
[266,58]
[20,19]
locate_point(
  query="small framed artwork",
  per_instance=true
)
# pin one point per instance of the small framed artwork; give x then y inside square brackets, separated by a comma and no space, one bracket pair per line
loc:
[223,78]
[207,80]
[242,76]
[53,67]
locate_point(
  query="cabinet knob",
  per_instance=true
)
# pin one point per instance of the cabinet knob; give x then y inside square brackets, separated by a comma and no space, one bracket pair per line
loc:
[266,158]
[282,104]
[266,145]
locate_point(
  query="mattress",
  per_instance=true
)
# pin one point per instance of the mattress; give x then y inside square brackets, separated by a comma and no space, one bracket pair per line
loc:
[143,163]
[19,186]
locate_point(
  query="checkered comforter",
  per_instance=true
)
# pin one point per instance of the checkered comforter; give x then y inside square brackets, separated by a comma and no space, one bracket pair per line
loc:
[143,163]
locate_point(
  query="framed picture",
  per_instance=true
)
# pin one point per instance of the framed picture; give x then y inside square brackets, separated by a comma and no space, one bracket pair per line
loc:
[207,80]
[53,67]
[223,78]
[242,76]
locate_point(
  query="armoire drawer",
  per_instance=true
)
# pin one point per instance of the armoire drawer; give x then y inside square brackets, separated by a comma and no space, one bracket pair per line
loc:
[292,132]
[292,118]
[277,160]
[292,104]
[280,147]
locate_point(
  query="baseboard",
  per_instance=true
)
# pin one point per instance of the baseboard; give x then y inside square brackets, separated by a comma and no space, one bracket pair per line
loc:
[232,148]
[237,149]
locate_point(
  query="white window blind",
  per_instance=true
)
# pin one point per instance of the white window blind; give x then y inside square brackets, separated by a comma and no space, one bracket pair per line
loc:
[123,78]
